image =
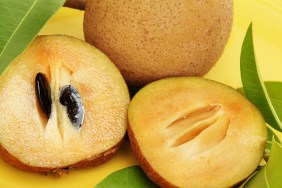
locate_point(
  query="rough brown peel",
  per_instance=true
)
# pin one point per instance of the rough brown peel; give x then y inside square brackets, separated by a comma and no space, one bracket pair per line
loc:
[149,40]
[91,162]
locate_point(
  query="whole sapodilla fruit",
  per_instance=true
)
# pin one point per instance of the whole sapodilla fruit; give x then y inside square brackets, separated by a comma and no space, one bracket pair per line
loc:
[194,132]
[63,105]
[149,40]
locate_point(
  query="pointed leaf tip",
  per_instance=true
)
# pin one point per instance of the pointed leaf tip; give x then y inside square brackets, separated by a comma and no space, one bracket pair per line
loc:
[253,85]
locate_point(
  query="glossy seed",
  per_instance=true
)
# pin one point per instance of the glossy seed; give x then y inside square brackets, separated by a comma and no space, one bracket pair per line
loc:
[43,93]
[71,99]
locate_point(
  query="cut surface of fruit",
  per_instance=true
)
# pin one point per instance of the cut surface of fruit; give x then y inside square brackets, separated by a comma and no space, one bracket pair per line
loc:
[194,132]
[63,104]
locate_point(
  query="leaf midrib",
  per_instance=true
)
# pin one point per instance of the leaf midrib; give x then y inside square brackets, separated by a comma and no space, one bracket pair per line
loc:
[17,28]
[268,100]
[265,176]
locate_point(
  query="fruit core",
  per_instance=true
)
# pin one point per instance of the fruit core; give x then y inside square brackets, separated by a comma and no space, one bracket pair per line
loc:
[202,128]
[69,97]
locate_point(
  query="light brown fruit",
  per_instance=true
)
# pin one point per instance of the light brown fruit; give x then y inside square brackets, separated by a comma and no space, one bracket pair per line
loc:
[149,40]
[86,122]
[194,132]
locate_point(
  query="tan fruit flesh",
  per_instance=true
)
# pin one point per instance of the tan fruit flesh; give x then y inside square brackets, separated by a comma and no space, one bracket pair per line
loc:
[193,132]
[36,141]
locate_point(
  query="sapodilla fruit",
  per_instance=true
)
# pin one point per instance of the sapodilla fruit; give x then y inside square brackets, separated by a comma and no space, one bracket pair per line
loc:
[63,105]
[149,40]
[194,132]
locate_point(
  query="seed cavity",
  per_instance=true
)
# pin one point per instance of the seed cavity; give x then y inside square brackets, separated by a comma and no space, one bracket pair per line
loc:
[71,99]
[43,94]
[201,121]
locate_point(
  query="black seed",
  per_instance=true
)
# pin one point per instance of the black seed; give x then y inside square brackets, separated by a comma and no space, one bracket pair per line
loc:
[71,99]
[43,94]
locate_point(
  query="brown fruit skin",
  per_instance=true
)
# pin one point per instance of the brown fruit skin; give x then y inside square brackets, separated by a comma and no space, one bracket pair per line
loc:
[91,162]
[149,40]
[145,165]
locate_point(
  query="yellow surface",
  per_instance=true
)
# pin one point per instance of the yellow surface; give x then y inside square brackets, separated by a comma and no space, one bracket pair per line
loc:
[266,16]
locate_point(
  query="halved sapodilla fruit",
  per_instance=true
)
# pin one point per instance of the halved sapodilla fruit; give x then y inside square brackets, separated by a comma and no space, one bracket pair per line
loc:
[194,132]
[63,105]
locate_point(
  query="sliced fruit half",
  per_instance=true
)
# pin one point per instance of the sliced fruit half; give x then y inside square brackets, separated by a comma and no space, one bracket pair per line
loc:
[63,105]
[194,132]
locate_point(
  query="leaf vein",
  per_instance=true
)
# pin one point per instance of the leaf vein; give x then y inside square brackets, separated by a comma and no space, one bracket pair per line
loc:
[265,177]
[21,22]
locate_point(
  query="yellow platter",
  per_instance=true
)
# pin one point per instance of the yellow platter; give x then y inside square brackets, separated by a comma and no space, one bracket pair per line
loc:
[266,16]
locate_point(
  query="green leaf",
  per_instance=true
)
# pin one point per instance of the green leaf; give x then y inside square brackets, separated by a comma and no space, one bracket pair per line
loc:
[267,97]
[127,178]
[270,175]
[274,90]
[254,88]
[20,22]
[270,134]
